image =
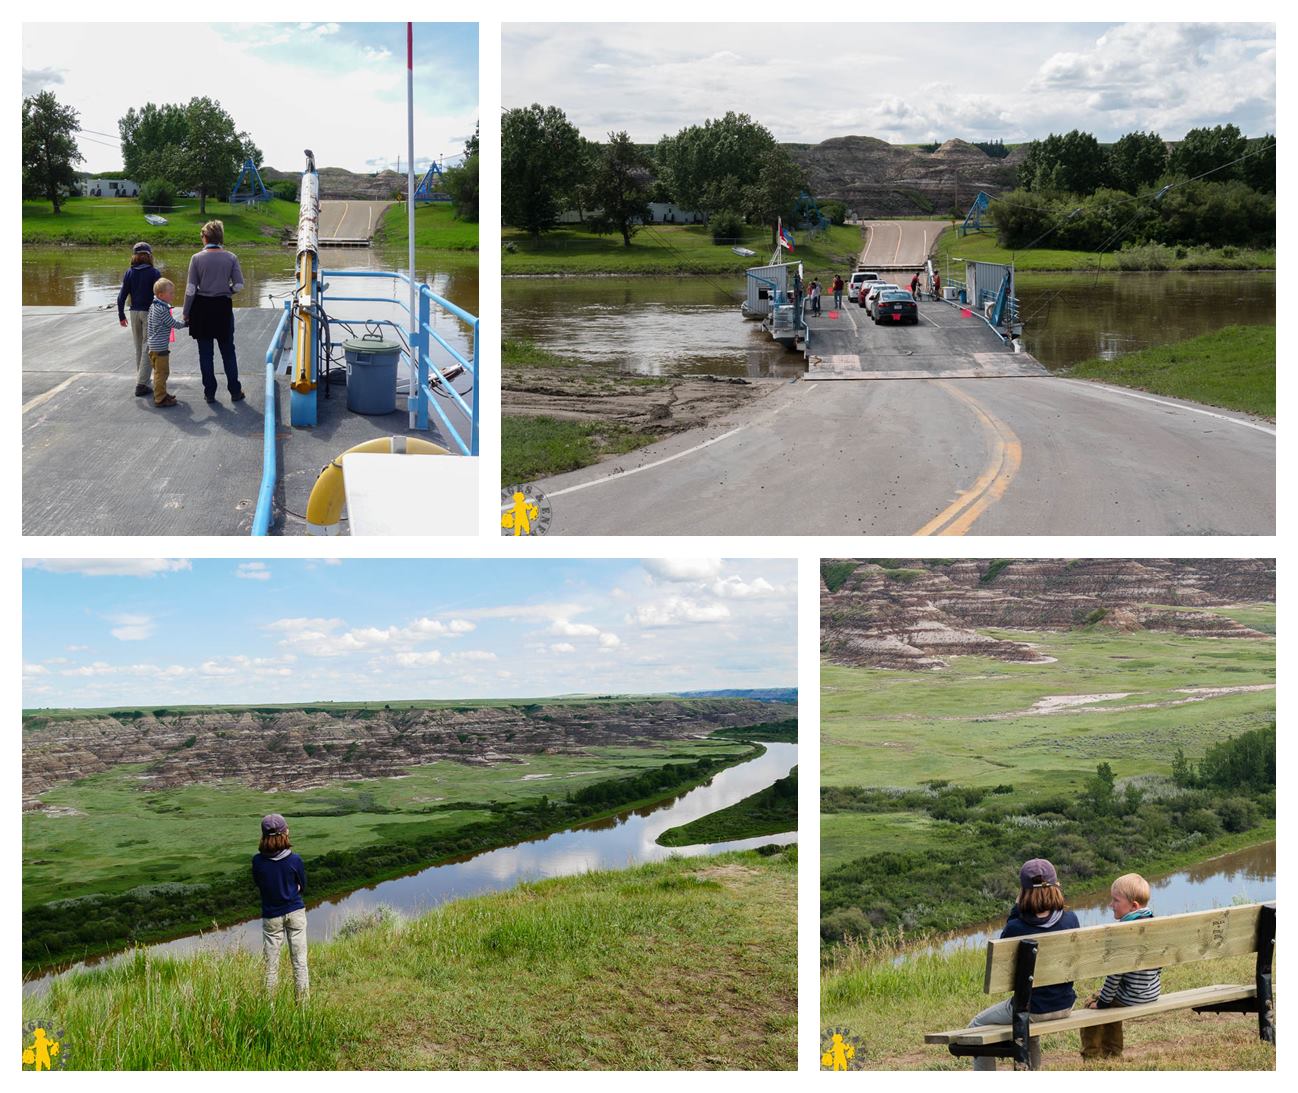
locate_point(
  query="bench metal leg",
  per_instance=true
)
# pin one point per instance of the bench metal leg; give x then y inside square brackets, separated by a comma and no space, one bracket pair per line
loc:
[1265,957]
[1019,1047]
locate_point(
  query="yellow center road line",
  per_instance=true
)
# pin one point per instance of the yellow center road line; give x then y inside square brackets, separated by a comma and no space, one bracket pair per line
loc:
[1004,460]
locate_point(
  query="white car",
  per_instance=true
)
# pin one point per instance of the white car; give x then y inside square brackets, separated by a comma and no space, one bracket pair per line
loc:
[872,293]
[859,278]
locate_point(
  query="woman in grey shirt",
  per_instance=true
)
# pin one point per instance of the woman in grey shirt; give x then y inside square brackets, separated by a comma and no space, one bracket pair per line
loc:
[214,277]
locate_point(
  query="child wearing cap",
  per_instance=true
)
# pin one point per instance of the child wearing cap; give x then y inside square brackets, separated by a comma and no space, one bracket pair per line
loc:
[1040,909]
[137,284]
[280,876]
[1129,902]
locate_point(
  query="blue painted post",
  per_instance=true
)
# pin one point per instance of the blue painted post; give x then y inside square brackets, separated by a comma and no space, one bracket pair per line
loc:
[419,346]
[473,444]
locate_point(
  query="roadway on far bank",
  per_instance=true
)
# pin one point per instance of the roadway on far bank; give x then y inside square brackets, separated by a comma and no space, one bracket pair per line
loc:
[350,219]
[899,242]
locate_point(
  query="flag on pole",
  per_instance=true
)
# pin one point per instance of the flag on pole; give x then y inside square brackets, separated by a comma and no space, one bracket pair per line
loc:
[784,235]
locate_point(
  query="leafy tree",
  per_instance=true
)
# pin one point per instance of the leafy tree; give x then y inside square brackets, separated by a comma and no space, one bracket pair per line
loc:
[540,164]
[1259,168]
[1137,160]
[775,190]
[1099,790]
[835,211]
[462,184]
[1205,149]
[710,166]
[619,187]
[49,149]
[471,145]
[1071,163]
[196,145]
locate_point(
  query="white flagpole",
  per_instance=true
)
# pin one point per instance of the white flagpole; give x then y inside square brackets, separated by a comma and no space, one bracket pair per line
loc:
[410,174]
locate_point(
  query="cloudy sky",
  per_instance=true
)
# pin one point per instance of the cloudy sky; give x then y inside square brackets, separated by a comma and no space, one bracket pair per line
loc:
[107,633]
[903,83]
[337,88]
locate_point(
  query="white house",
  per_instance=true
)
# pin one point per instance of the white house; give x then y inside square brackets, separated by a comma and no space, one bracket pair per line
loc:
[109,187]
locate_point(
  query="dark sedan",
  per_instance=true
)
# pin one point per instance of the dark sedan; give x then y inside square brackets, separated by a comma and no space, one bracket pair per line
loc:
[896,307]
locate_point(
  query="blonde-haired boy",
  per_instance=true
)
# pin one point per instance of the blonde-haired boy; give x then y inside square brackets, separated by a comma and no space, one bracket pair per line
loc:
[1129,901]
[161,324]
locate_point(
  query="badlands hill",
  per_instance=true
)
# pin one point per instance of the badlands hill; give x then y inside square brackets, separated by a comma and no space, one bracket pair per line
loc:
[913,613]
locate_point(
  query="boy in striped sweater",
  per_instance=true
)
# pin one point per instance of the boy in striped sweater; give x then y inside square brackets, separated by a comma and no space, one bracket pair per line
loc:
[1129,902]
[161,324]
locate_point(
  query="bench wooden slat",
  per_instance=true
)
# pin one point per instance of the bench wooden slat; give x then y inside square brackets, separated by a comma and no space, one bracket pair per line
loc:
[1083,1018]
[1130,946]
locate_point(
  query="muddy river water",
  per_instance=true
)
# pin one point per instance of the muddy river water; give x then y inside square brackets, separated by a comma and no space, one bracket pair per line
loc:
[614,843]
[691,325]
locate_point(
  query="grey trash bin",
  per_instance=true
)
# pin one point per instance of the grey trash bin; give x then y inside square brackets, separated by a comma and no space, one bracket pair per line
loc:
[371,375]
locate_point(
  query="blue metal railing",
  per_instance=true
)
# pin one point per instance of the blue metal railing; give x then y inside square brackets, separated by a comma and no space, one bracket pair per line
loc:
[278,343]
[421,369]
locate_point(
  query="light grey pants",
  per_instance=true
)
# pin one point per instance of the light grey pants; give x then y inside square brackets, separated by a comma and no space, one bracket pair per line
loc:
[273,933]
[143,368]
[1003,1014]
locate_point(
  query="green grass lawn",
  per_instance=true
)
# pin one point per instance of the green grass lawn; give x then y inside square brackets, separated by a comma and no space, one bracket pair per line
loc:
[120,221]
[891,728]
[667,249]
[536,447]
[981,247]
[1233,367]
[436,228]
[129,836]
[888,1005]
[685,964]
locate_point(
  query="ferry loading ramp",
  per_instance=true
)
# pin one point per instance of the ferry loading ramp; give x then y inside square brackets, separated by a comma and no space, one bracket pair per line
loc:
[99,461]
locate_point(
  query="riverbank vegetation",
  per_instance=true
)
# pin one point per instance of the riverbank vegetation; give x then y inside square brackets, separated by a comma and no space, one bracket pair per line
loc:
[120,866]
[560,414]
[888,995]
[119,221]
[669,249]
[972,770]
[769,811]
[437,227]
[683,964]
[1233,367]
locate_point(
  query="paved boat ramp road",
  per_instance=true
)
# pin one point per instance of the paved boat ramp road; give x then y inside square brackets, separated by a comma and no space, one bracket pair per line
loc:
[935,429]
[99,461]
[349,221]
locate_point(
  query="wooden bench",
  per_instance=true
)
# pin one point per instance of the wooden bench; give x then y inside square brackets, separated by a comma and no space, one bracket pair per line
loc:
[1017,964]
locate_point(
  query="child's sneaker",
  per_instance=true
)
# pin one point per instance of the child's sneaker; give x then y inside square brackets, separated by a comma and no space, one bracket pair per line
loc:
[170,400]
[142,389]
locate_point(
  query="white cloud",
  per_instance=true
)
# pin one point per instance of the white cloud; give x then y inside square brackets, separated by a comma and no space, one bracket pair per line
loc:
[561,646]
[567,629]
[682,569]
[607,640]
[472,654]
[254,571]
[413,660]
[460,626]
[109,567]
[679,610]
[40,669]
[131,627]
[735,588]
[83,648]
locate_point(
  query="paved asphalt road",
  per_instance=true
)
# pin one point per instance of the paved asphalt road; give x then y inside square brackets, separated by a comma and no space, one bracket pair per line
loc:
[939,455]
[1012,456]
[350,219]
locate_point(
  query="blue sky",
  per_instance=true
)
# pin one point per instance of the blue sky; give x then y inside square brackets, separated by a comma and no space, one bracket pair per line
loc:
[104,633]
[903,83]
[337,88]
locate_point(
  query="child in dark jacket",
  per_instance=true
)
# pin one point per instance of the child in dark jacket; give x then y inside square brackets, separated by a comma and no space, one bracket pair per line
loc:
[280,876]
[1129,902]
[137,285]
[1040,909]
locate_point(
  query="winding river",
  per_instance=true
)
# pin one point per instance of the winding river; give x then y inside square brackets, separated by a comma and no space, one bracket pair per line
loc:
[616,842]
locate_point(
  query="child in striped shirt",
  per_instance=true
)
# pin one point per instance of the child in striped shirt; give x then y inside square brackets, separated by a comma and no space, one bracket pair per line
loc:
[161,324]
[1129,902]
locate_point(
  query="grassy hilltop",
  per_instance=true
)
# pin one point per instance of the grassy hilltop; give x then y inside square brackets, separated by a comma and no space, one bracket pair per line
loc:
[684,964]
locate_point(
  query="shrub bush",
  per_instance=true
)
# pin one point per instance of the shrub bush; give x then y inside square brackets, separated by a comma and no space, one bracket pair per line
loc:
[158,193]
[726,226]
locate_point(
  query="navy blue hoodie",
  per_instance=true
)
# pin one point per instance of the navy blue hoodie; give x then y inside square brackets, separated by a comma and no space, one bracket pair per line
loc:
[1057,996]
[137,283]
[282,880]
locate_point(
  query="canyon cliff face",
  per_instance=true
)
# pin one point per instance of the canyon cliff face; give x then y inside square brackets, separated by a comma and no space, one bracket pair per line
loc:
[877,180]
[912,613]
[298,749]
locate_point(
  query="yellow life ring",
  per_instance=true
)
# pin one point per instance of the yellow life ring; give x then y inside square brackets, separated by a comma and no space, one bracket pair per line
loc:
[324,509]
